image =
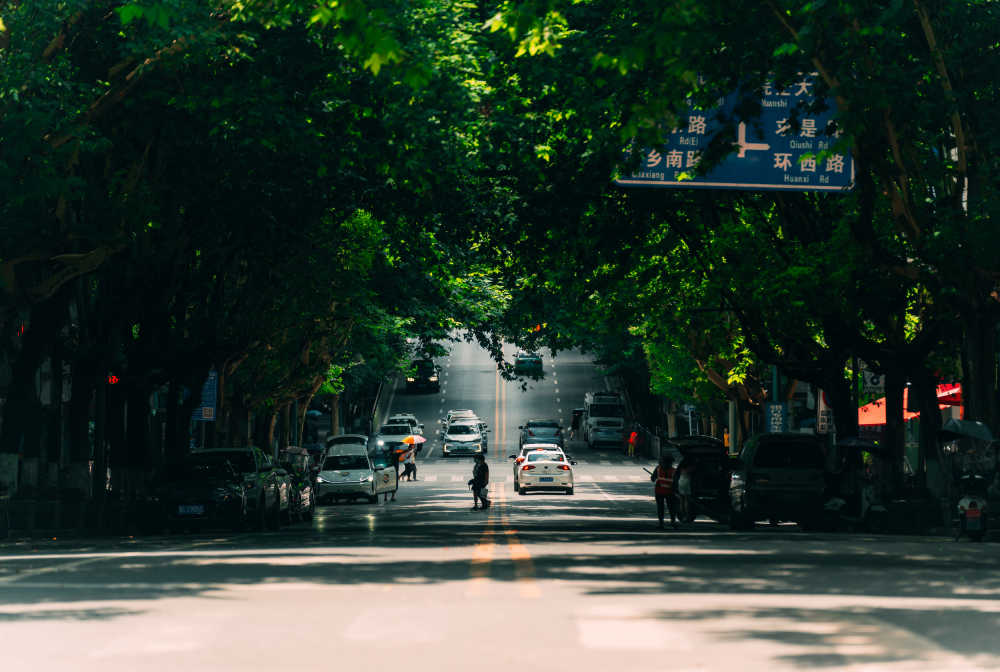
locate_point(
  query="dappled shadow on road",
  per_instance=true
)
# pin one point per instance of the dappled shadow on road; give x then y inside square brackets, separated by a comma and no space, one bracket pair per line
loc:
[764,585]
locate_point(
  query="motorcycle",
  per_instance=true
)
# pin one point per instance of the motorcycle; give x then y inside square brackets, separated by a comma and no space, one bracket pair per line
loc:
[972,509]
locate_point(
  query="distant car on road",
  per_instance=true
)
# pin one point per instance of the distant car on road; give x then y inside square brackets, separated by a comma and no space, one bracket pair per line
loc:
[545,470]
[416,427]
[463,436]
[424,375]
[390,437]
[541,431]
[528,362]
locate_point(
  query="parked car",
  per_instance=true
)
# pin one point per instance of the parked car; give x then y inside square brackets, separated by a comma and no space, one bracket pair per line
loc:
[541,431]
[779,477]
[349,473]
[260,479]
[424,375]
[202,491]
[710,476]
[528,363]
[302,472]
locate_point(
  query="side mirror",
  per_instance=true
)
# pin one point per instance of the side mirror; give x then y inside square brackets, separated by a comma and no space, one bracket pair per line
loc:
[512,457]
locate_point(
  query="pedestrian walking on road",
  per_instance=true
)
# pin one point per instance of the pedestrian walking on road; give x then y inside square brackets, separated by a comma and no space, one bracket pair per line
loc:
[410,465]
[663,478]
[479,483]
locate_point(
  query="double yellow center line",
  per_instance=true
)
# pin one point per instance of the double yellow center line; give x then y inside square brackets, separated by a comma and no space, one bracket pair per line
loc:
[498,523]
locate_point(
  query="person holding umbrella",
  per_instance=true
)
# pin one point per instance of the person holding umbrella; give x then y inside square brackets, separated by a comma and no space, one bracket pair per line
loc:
[410,457]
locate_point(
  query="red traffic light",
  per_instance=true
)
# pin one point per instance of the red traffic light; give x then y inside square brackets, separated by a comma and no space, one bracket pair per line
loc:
[113,379]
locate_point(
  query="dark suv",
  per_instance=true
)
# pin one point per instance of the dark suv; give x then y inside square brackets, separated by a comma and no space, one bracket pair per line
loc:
[423,376]
[779,477]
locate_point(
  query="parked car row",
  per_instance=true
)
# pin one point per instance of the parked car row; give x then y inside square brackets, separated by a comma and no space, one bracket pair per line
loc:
[775,477]
[237,488]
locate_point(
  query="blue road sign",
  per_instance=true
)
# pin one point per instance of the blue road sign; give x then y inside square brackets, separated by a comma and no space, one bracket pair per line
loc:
[776,417]
[771,153]
[205,412]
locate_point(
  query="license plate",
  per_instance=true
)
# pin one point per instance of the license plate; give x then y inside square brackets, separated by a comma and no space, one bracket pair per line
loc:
[190,509]
[545,479]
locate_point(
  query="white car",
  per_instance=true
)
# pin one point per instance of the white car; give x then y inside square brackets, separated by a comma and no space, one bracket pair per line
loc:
[390,437]
[416,427]
[463,437]
[545,470]
[348,473]
[522,453]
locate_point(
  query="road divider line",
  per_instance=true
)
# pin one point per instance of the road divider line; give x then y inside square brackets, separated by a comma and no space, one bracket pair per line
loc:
[524,568]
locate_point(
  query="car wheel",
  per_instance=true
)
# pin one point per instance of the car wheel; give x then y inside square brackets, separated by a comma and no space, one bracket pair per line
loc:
[274,520]
[739,522]
[522,491]
[260,515]
[569,491]
[307,515]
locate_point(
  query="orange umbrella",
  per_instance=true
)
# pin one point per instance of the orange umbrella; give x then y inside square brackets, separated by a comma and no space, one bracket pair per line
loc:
[414,439]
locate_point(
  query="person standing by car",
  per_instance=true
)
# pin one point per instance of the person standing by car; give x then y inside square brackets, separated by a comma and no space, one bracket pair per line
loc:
[479,482]
[684,490]
[663,478]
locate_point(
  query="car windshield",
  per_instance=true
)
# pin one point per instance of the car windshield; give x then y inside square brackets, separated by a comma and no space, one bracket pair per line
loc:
[546,457]
[424,366]
[345,440]
[544,431]
[789,456]
[461,429]
[202,469]
[241,460]
[396,429]
[606,411]
[345,462]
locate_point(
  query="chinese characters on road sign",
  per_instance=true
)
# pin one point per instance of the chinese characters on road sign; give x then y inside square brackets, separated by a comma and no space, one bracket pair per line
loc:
[771,152]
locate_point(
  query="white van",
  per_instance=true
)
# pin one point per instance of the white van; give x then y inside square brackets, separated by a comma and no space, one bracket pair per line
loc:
[348,473]
[603,418]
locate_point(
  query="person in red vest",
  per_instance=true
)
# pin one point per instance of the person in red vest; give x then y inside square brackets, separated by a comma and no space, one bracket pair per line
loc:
[663,478]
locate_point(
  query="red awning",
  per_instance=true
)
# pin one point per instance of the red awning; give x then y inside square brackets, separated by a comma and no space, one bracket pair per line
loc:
[873,414]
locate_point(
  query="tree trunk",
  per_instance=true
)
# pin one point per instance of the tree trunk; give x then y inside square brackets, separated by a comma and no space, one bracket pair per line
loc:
[979,395]
[82,375]
[137,434]
[115,432]
[335,415]
[925,387]
[842,401]
[894,429]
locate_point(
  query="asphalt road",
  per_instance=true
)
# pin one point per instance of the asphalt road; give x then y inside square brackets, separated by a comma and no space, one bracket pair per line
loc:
[541,582]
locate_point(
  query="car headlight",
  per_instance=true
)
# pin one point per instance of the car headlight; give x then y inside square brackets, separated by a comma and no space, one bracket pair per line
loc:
[380,442]
[447,446]
[320,479]
[368,478]
[411,379]
[433,379]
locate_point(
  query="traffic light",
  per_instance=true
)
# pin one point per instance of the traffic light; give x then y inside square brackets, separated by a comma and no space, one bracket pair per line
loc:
[113,379]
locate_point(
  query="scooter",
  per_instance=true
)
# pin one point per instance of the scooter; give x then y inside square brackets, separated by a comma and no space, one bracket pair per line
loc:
[972,509]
